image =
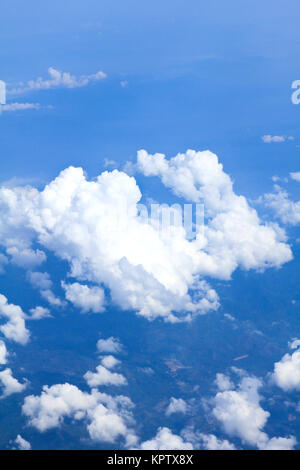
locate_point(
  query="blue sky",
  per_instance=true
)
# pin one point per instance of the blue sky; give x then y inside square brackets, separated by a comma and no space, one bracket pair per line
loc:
[203,76]
[176,75]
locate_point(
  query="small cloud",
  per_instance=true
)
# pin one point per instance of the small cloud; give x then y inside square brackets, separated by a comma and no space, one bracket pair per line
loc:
[295,175]
[229,317]
[26,258]
[286,374]
[284,208]
[43,282]
[58,79]
[107,418]
[9,384]
[2,92]
[109,361]
[108,162]
[103,376]
[20,106]
[223,382]
[176,405]
[146,370]
[294,344]
[109,345]
[268,139]
[166,440]
[278,179]
[21,443]
[87,299]
[14,329]
[3,353]
[240,413]
[124,83]
[38,313]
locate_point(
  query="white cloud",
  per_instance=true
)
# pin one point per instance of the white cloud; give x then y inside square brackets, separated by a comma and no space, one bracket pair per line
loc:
[211,442]
[20,106]
[223,382]
[120,267]
[205,441]
[95,226]
[51,298]
[22,443]
[286,373]
[234,235]
[295,343]
[176,405]
[109,362]
[229,317]
[241,415]
[268,139]
[146,370]
[166,440]
[295,175]
[2,92]
[37,313]
[240,412]
[9,384]
[280,443]
[104,376]
[108,424]
[14,329]
[109,345]
[40,280]
[3,352]
[49,409]
[26,258]
[284,209]
[277,179]
[3,262]
[58,79]
[108,418]
[87,299]
[108,162]
[188,439]
[43,282]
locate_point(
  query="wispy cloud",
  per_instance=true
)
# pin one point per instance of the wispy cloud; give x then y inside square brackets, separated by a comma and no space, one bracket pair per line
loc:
[58,79]
[268,139]
[295,175]
[2,92]
[20,106]
[108,162]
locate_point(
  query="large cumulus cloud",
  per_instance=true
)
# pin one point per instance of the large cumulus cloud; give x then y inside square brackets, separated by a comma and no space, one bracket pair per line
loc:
[95,226]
